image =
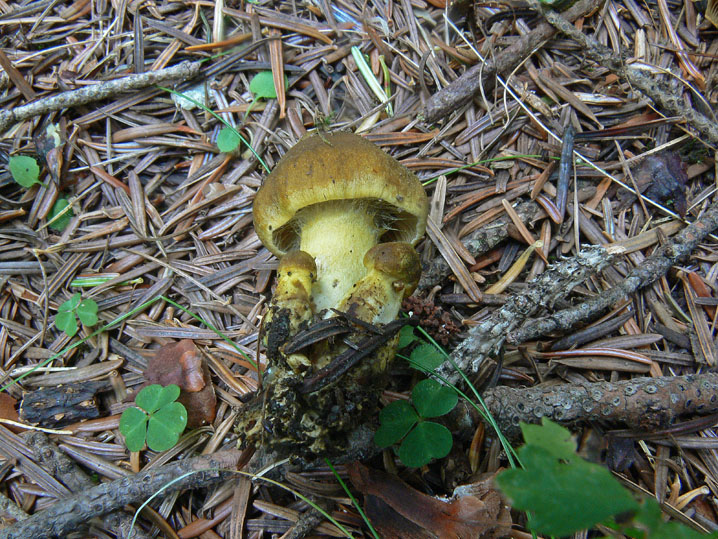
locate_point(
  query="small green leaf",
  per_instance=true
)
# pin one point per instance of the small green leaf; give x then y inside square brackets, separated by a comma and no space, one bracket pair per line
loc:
[554,438]
[24,170]
[580,494]
[406,337]
[71,304]
[396,420]
[427,357]
[428,440]
[433,399]
[262,85]
[151,398]
[87,312]
[66,321]
[227,140]
[133,426]
[61,222]
[166,425]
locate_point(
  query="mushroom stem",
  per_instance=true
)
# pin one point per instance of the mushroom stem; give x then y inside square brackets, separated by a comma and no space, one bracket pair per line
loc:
[291,305]
[337,234]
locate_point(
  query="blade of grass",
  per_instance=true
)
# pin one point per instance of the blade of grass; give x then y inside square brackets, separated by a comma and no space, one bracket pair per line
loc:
[352,498]
[222,120]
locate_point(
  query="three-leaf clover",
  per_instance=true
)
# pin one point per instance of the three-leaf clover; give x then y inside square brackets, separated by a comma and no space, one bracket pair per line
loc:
[158,419]
[73,308]
[421,440]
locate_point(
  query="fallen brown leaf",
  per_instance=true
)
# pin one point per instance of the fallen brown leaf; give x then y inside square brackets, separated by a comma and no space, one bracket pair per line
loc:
[398,510]
[181,363]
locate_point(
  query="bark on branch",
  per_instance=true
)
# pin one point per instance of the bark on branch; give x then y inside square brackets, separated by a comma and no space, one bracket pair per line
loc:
[98,92]
[463,89]
[639,403]
[62,517]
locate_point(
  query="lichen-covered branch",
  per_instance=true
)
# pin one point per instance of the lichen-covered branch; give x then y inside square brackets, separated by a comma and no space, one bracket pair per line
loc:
[463,89]
[66,470]
[651,86]
[650,270]
[639,403]
[97,92]
[62,517]
[487,337]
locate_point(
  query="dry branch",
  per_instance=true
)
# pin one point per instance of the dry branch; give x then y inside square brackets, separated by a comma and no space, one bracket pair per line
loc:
[63,516]
[639,403]
[97,92]
[666,98]
[67,471]
[487,337]
[652,268]
[463,89]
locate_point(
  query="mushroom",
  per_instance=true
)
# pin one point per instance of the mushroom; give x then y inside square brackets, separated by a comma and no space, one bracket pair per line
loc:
[393,271]
[291,307]
[335,196]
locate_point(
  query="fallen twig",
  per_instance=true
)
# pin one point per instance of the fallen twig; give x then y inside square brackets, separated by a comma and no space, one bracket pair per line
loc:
[463,89]
[63,516]
[651,86]
[97,92]
[639,403]
[63,468]
[487,337]
[650,270]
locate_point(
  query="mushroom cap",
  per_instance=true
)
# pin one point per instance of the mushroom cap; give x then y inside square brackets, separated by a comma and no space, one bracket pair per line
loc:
[338,166]
[397,260]
[298,261]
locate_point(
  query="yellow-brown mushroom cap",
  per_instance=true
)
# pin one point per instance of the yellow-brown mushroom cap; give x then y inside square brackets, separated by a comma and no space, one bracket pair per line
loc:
[297,261]
[397,260]
[338,166]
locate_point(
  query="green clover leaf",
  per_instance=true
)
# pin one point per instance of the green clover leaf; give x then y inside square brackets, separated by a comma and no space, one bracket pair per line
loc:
[397,418]
[433,399]
[158,420]
[87,312]
[428,440]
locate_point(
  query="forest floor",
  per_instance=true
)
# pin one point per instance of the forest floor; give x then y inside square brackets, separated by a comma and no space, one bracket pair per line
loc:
[545,278]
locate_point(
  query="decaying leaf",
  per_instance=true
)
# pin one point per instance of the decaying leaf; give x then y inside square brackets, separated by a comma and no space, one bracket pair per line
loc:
[662,178]
[182,364]
[397,510]
[8,410]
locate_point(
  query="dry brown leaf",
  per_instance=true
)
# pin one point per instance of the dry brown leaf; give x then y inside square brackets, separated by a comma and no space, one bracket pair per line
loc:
[396,509]
[181,363]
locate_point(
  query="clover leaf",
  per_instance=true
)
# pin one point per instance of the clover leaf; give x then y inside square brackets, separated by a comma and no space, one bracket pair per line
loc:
[73,308]
[262,85]
[24,170]
[63,220]
[421,440]
[158,419]
[228,140]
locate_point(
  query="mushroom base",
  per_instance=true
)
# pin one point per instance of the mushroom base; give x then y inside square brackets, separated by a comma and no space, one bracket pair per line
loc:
[319,423]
